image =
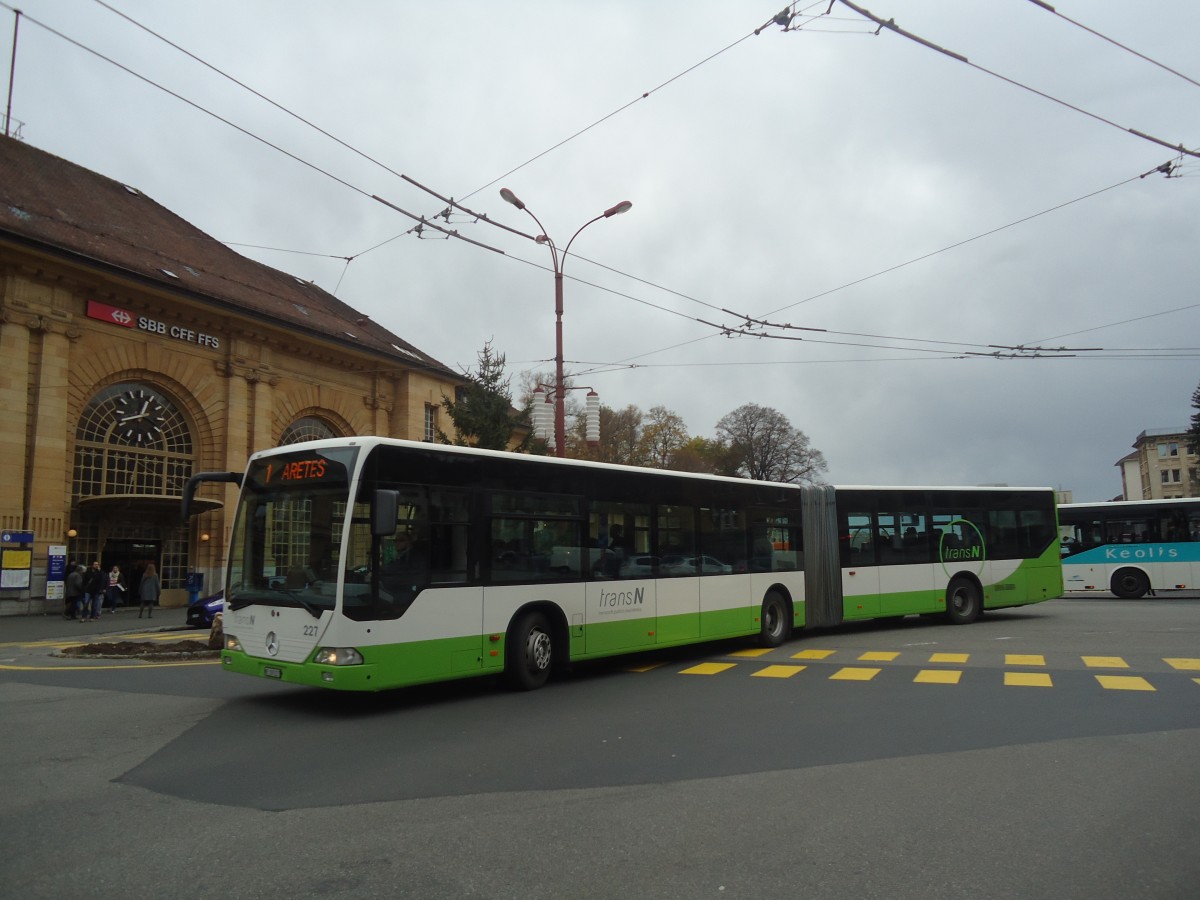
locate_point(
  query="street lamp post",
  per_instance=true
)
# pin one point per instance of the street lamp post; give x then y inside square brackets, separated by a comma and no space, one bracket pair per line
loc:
[560,408]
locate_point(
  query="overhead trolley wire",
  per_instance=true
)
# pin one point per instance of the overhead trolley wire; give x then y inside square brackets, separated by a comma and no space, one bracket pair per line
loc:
[891,25]
[424,221]
[1154,62]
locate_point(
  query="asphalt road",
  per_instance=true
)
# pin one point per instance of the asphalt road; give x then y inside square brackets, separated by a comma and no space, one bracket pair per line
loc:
[1050,751]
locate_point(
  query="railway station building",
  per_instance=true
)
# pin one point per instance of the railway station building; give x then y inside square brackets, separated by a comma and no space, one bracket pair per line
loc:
[136,350]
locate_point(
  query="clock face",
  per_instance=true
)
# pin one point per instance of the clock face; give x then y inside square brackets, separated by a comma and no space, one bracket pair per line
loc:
[140,416]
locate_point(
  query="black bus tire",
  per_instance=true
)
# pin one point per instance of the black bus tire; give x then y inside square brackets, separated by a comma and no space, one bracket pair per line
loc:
[964,602]
[775,624]
[1130,584]
[529,652]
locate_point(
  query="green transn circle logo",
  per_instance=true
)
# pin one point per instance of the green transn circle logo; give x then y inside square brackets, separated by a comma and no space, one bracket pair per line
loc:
[951,551]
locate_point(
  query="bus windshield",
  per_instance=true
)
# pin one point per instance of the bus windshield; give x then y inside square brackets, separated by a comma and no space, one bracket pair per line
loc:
[288,531]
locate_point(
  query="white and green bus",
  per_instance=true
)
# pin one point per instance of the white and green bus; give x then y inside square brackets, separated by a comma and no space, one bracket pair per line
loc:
[368,563]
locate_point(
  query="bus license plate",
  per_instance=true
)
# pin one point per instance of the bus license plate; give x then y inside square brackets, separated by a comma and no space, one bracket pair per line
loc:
[272,672]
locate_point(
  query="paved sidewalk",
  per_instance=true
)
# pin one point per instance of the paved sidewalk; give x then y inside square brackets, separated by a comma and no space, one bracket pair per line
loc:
[19,629]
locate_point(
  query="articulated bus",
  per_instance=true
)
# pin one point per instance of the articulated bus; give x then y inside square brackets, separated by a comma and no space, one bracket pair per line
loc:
[1133,547]
[369,563]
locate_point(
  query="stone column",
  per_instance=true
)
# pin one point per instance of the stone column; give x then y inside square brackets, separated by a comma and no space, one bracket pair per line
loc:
[49,460]
[15,450]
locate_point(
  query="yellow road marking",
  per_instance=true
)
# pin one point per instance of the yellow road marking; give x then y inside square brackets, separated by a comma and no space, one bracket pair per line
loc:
[752,652]
[1183,665]
[813,654]
[1027,679]
[778,671]
[1104,662]
[1024,659]
[1124,683]
[937,676]
[708,669]
[878,656]
[949,657]
[645,667]
[852,673]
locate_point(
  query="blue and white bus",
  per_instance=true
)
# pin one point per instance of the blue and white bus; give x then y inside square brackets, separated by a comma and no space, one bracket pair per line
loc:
[1132,548]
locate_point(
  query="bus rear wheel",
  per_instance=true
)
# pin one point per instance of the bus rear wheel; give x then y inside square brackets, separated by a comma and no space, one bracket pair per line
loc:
[775,620]
[1130,584]
[528,652]
[963,602]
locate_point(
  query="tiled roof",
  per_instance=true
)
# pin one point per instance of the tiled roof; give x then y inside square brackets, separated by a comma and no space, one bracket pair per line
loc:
[62,206]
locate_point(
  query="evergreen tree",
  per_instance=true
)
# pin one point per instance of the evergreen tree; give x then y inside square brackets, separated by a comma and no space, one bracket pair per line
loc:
[1193,432]
[482,411]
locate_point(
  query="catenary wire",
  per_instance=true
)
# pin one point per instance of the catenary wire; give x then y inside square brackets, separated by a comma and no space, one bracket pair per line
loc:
[725,330]
[645,95]
[1050,9]
[891,25]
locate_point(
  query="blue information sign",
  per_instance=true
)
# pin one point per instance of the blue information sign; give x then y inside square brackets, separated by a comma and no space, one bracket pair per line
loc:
[16,537]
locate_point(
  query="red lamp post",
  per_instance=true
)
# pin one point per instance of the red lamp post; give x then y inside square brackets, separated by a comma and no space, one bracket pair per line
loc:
[560,408]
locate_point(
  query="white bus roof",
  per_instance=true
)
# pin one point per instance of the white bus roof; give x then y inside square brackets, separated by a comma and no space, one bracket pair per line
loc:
[374,441]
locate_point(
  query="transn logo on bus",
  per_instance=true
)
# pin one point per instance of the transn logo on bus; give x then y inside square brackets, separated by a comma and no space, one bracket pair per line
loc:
[955,554]
[622,598]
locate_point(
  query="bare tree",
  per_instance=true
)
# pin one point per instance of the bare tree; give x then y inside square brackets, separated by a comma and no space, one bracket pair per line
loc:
[764,445]
[621,436]
[663,435]
[700,454]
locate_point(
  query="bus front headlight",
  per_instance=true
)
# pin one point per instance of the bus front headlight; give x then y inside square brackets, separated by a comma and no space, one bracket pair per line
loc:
[338,656]
[231,642]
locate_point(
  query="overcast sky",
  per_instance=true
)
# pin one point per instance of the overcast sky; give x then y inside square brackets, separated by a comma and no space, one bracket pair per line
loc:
[826,178]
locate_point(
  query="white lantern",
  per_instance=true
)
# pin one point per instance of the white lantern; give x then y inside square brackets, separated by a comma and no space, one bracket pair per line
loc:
[593,418]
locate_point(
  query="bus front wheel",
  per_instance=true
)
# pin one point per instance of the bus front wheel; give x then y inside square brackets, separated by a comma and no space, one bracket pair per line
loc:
[963,602]
[1130,584]
[528,652]
[775,619]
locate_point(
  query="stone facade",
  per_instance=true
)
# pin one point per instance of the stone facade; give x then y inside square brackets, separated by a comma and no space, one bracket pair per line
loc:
[1160,466]
[128,365]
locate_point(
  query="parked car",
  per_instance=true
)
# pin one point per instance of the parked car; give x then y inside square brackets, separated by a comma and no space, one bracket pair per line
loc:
[201,613]
[639,565]
[695,565]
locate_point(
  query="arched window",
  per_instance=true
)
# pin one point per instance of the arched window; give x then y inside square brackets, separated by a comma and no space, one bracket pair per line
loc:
[131,439]
[307,428]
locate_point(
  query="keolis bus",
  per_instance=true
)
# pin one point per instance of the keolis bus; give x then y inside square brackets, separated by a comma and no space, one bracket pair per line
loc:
[368,563]
[1133,547]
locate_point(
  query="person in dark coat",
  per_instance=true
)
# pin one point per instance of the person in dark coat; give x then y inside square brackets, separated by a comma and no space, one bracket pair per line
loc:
[95,584]
[73,591]
[149,590]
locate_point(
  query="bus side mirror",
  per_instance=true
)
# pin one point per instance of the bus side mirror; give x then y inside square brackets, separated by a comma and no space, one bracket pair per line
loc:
[383,515]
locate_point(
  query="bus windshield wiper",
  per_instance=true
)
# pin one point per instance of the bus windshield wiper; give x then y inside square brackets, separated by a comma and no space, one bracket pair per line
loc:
[239,602]
[313,610]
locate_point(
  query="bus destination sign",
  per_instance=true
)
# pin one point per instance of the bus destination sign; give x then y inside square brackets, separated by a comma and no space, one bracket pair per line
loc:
[300,470]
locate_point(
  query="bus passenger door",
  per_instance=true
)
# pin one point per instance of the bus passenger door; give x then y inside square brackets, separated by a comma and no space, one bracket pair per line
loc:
[860,574]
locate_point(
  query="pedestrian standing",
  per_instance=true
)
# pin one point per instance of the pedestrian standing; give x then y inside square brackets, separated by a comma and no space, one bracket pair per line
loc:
[149,590]
[95,583]
[73,591]
[116,589]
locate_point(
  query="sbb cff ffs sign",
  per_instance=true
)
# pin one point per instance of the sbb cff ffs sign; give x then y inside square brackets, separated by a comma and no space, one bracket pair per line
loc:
[114,315]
